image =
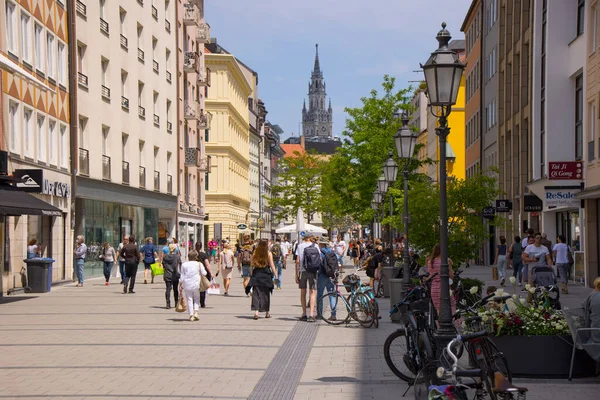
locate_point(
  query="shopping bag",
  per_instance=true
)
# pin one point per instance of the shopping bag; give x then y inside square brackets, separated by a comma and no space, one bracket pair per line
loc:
[494,273]
[181,303]
[214,288]
[204,283]
[157,269]
[115,273]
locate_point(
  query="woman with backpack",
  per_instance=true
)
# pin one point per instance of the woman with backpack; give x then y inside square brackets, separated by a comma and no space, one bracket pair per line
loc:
[150,254]
[226,267]
[246,261]
[261,282]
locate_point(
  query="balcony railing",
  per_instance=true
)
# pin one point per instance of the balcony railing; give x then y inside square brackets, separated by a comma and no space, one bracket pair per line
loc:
[124,103]
[155,66]
[103,26]
[191,62]
[203,165]
[167,26]
[124,42]
[169,184]
[125,172]
[168,74]
[106,168]
[105,92]
[157,181]
[203,33]
[84,162]
[82,79]
[81,8]
[154,13]
[204,119]
[156,120]
[140,54]
[169,127]
[191,109]
[191,14]
[142,177]
[141,112]
[192,156]
[200,210]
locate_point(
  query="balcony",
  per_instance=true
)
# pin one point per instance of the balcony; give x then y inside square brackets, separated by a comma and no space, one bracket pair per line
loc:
[191,109]
[203,165]
[156,120]
[155,13]
[192,156]
[142,177]
[191,62]
[105,92]
[169,127]
[157,181]
[168,74]
[191,208]
[84,162]
[204,78]
[167,26]
[125,103]
[104,26]
[106,168]
[140,54]
[125,172]
[81,8]
[82,80]
[155,66]
[170,184]
[203,33]
[124,42]
[204,119]
[200,210]
[191,14]
[141,112]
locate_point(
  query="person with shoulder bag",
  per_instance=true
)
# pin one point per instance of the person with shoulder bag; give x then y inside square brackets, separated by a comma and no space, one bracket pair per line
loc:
[226,267]
[171,263]
[203,259]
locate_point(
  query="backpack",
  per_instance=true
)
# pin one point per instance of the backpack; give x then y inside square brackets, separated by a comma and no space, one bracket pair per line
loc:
[246,257]
[311,258]
[330,265]
[276,252]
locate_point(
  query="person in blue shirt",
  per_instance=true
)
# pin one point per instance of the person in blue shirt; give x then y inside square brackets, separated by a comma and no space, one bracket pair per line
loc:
[323,282]
[149,254]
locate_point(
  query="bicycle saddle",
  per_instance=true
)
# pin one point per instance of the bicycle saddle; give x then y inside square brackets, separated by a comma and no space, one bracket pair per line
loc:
[502,385]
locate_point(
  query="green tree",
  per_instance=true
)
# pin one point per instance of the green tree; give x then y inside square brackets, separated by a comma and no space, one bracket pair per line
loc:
[299,186]
[466,229]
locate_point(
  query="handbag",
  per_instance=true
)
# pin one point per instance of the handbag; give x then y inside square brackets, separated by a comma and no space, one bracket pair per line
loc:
[204,283]
[181,303]
[157,269]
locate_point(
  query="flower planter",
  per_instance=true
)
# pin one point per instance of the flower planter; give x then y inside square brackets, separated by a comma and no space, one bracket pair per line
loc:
[544,356]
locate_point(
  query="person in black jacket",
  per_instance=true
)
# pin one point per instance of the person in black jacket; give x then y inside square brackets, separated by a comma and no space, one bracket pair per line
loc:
[171,264]
[203,259]
[131,254]
[373,264]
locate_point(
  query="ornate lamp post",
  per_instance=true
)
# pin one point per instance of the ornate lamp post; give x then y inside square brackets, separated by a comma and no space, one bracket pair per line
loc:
[377,199]
[443,72]
[390,172]
[405,140]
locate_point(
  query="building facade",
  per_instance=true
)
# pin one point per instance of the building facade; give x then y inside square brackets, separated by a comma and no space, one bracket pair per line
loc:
[193,122]
[317,121]
[489,84]
[126,106]
[34,69]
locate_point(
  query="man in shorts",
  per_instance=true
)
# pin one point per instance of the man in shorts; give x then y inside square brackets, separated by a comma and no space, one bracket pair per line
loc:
[306,280]
[245,261]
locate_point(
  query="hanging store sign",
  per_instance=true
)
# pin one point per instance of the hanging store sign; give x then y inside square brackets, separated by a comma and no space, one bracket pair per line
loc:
[566,170]
[33,180]
[503,206]
[562,197]
[532,203]
[488,212]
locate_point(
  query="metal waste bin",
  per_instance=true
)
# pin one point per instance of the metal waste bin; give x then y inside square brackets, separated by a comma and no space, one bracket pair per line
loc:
[386,274]
[39,275]
[395,297]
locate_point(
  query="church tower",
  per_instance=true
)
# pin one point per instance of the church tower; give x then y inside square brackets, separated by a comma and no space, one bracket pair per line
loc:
[317,121]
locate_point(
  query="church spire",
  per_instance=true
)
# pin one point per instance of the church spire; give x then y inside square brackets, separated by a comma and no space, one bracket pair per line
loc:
[317,68]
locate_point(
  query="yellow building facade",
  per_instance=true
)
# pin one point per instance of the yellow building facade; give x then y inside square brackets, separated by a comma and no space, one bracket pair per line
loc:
[457,136]
[227,186]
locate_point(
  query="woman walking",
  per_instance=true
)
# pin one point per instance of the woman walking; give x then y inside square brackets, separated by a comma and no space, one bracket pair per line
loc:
[261,280]
[560,251]
[171,264]
[355,252]
[190,282]
[108,256]
[226,267]
[500,260]
[433,266]
[515,254]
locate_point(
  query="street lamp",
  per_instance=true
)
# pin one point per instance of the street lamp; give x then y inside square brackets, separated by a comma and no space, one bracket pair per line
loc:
[390,172]
[382,184]
[443,72]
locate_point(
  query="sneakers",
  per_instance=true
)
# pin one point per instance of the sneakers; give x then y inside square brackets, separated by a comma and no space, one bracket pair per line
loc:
[106,284]
[125,289]
[311,319]
[320,317]
[192,318]
[131,292]
[195,316]
[278,287]
[226,294]
[145,281]
[502,282]
[332,318]
[303,318]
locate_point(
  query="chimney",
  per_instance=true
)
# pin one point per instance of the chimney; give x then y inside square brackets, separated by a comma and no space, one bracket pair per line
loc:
[302,141]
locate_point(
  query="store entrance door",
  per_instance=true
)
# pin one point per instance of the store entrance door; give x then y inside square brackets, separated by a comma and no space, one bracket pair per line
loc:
[126,225]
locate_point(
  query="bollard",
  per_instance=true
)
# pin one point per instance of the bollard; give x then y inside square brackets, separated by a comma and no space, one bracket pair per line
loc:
[395,297]
[387,274]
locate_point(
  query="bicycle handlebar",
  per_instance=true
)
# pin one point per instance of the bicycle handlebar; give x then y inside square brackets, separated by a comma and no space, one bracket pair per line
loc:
[472,336]
[468,373]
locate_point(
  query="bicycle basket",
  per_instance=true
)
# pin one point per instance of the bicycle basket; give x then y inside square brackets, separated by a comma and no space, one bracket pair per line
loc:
[419,305]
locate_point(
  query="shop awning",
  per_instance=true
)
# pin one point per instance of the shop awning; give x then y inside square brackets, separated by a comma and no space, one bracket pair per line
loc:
[14,202]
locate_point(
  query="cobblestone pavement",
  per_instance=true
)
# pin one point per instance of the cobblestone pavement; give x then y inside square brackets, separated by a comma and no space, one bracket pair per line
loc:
[97,343]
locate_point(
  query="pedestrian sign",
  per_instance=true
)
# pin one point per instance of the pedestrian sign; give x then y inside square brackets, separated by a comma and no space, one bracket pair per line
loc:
[302,233]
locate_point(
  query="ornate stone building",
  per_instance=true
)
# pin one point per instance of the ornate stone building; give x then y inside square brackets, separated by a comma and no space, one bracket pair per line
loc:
[317,122]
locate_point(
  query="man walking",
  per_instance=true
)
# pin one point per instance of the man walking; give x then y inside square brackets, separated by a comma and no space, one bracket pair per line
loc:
[285,250]
[306,274]
[131,254]
[149,253]
[339,247]
[80,252]
[121,259]
[546,242]
[330,262]
[277,252]
[246,260]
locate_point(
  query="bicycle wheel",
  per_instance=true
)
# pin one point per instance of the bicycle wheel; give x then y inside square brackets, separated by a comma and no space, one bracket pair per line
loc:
[375,312]
[378,288]
[395,352]
[335,311]
[362,309]
[482,354]
[496,360]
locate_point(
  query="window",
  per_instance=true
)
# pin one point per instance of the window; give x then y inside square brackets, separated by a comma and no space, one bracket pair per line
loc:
[122,15]
[105,130]
[25,39]
[579,117]
[124,138]
[140,92]
[38,47]
[169,155]
[11,25]
[595,22]
[168,111]
[206,181]
[580,16]
[64,146]
[154,47]
[104,69]
[41,142]
[62,64]
[123,84]
[140,30]
[592,132]
[27,132]
[102,8]
[51,62]
[155,103]
[80,57]
[141,160]
[52,145]
[156,151]
[82,136]
[13,126]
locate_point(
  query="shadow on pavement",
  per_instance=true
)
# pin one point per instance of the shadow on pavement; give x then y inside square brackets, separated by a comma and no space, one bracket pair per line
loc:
[8,300]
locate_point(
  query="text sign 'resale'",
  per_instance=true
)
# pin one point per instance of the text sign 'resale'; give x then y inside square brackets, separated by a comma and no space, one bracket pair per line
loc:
[566,170]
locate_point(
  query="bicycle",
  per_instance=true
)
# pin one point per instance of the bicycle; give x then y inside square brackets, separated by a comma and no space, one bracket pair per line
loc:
[368,290]
[356,305]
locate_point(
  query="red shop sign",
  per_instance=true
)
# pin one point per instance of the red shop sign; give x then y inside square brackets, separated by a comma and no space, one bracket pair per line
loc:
[569,170]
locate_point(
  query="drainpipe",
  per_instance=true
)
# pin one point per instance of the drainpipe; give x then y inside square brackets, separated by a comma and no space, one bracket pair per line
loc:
[73,115]
[177,110]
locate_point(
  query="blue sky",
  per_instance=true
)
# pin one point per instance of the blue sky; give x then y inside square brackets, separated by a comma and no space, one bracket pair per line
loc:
[359,42]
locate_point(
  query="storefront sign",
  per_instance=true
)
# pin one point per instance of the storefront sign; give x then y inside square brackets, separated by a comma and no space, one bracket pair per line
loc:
[242,227]
[503,206]
[489,212]
[261,223]
[33,180]
[567,170]
[532,203]
[59,189]
[561,198]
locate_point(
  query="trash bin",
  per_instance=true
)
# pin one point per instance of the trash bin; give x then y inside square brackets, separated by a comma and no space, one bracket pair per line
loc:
[395,297]
[39,275]
[387,274]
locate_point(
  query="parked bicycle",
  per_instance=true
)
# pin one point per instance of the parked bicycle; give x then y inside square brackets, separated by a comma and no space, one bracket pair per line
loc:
[338,310]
